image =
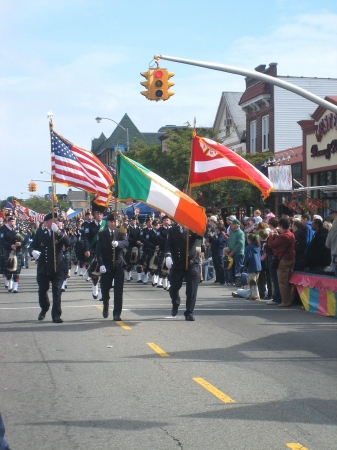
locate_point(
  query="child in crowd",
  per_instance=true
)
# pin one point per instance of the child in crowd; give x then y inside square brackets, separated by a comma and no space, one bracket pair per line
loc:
[227,265]
[252,262]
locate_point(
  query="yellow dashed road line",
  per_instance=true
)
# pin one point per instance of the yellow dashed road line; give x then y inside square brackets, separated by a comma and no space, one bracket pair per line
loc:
[157,349]
[213,390]
[296,446]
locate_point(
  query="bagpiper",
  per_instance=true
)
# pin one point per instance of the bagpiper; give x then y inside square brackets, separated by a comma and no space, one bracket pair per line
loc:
[89,241]
[12,243]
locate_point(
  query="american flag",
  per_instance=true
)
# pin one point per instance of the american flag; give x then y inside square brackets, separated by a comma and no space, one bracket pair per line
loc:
[80,168]
[35,217]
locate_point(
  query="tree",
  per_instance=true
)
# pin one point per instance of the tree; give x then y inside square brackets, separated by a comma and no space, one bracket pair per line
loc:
[174,166]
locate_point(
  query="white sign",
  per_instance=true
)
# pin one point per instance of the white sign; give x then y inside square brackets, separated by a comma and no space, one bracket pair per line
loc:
[281,177]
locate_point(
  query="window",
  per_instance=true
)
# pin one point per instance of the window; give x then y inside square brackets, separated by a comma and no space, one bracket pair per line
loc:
[265,133]
[252,146]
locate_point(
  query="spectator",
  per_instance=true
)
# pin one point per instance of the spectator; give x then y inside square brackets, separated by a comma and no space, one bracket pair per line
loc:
[331,243]
[276,298]
[268,215]
[306,220]
[228,262]
[264,277]
[318,255]
[300,233]
[257,216]
[236,243]
[207,262]
[252,261]
[282,246]
[217,241]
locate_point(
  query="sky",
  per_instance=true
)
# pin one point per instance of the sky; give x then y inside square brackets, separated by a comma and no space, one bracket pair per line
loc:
[82,59]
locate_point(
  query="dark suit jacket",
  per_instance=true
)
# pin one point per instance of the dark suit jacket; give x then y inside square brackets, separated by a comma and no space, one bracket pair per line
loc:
[43,243]
[104,249]
[176,247]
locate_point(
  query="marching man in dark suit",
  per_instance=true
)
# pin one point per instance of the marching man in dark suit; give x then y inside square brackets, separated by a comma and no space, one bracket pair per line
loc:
[109,252]
[175,259]
[42,248]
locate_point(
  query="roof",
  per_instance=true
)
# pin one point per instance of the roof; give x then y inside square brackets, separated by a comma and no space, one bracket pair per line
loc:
[257,89]
[319,111]
[119,136]
[231,100]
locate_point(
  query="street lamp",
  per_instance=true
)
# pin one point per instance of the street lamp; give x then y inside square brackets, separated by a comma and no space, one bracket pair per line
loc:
[98,120]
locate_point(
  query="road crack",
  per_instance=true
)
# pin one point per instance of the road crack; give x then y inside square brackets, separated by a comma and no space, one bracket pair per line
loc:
[179,444]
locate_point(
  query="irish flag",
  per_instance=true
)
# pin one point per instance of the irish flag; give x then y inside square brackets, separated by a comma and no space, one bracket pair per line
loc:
[139,183]
[212,162]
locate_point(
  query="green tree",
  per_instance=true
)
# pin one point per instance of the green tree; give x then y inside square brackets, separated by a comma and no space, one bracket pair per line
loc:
[174,166]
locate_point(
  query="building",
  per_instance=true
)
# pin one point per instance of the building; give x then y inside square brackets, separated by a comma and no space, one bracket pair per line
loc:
[230,122]
[126,133]
[320,156]
[78,199]
[272,113]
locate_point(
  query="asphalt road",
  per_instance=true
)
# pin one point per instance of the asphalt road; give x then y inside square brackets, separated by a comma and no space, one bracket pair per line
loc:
[244,375]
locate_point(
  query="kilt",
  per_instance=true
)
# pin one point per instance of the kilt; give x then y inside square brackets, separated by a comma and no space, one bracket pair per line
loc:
[4,258]
[78,252]
[146,258]
[66,257]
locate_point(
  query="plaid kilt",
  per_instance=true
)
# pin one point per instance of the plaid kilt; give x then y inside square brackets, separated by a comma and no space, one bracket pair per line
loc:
[66,258]
[4,258]
[146,258]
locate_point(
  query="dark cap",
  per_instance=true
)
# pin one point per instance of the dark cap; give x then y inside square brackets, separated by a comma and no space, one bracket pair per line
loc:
[50,216]
[155,222]
[133,218]
[8,215]
[165,217]
[111,217]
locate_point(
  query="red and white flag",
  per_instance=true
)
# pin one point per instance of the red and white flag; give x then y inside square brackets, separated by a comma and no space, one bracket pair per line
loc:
[73,166]
[212,162]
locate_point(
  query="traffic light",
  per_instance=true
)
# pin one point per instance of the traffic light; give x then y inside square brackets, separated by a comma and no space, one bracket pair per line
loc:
[32,187]
[148,84]
[157,84]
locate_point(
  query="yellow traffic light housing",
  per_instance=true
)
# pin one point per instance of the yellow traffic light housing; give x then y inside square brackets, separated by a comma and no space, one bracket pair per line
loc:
[157,84]
[149,76]
[32,187]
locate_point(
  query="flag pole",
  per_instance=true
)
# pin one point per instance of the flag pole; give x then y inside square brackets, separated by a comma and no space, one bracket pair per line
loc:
[189,192]
[50,117]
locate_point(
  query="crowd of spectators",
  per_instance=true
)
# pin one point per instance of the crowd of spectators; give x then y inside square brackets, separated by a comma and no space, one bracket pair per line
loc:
[264,250]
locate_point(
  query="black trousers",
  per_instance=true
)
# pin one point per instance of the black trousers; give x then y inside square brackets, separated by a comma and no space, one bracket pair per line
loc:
[192,282]
[56,281]
[106,284]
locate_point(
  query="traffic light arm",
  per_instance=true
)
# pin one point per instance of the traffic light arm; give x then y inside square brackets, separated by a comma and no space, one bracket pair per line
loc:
[257,75]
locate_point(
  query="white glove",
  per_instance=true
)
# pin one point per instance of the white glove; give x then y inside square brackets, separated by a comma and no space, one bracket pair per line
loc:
[102,269]
[168,262]
[35,254]
[114,243]
[54,227]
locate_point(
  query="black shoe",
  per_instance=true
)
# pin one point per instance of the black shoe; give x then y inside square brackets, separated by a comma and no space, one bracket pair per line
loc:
[174,312]
[189,317]
[63,290]
[42,315]
[131,278]
[117,318]
[106,312]
[139,281]
[160,286]
[95,297]
[57,320]
[27,267]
